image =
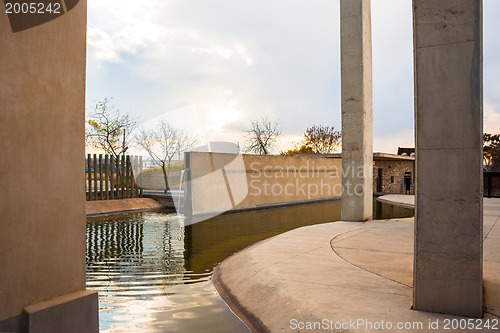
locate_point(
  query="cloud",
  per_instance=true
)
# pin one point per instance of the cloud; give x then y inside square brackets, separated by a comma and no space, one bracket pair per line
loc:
[392,66]
[256,58]
[279,59]
[105,47]
[390,142]
[491,114]
[121,26]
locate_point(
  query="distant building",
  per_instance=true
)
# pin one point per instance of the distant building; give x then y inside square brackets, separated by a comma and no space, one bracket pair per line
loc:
[406,151]
[392,173]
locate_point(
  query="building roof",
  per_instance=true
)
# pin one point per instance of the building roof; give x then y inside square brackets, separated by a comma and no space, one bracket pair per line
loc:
[391,157]
[407,151]
[376,157]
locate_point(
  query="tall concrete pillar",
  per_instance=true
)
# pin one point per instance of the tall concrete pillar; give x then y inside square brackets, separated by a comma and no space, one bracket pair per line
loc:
[42,179]
[449,127]
[357,114]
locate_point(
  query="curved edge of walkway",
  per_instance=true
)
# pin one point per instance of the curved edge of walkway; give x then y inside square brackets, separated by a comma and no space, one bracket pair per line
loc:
[269,292]
[398,199]
[101,208]
[246,316]
[337,272]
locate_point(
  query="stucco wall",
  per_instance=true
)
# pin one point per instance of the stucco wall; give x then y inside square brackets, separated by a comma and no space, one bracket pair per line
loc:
[228,181]
[42,101]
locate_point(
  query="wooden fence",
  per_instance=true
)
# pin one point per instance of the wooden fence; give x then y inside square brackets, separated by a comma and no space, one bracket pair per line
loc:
[109,179]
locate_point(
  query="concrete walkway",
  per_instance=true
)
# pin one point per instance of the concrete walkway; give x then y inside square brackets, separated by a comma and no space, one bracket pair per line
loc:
[403,200]
[121,206]
[344,277]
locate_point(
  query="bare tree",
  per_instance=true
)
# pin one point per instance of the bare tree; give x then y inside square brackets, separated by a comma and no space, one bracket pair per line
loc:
[263,136]
[162,143]
[491,151]
[322,140]
[108,129]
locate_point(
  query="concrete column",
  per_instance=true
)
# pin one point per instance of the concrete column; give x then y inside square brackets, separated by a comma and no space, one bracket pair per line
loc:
[357,114]
[449,127]
[42,223]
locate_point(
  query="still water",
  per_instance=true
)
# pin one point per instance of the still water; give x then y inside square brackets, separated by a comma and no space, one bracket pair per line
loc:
[153,273]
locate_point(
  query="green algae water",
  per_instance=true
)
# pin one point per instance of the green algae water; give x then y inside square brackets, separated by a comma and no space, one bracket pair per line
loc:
[153,273]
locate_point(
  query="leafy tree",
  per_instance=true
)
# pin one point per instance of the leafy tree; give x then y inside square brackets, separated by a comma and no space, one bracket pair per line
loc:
[295,151]
[262,137]
[162,143]
[322,140]
[109,130]
[491,151]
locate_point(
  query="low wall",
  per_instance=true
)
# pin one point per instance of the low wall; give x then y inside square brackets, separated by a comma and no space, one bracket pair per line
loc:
[109,207]
[220,182]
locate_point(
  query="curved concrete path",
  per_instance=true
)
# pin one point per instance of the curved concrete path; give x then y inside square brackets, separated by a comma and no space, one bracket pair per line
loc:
[120,206]
[343,277]
[399,199]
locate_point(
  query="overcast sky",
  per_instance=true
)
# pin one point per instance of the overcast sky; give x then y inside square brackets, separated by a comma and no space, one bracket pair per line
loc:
[215,65]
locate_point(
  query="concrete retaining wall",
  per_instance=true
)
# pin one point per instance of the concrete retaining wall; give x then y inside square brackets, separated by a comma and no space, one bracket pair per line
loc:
[121,206]
[221,182]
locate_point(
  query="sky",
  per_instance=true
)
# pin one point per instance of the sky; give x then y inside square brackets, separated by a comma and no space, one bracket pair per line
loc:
[213,66]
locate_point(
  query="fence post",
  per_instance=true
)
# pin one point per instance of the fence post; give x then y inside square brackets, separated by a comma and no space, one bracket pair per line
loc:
[132,182]
[127,167]
[141,193]
[106,176]
[101,189]
[112,180]
[123,181]
[125,178]
[117,180]
[94,172]
[89,177]
[134,173]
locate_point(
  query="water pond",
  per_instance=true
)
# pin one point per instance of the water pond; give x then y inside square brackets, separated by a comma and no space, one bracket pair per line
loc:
[153,273]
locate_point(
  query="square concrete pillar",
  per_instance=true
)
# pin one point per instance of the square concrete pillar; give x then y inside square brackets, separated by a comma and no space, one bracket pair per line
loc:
[449,128]
[357,112]
[42,131]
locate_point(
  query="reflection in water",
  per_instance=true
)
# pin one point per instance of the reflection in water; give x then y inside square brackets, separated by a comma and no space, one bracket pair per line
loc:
[153,274]
[385,211]
[136,263]
[128,247]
